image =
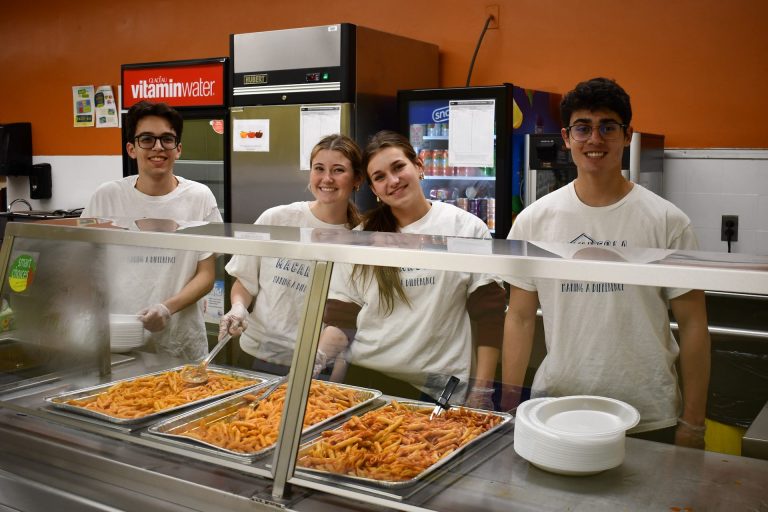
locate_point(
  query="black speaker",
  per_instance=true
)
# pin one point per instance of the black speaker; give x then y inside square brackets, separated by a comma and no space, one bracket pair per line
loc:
[40,182]
[15,149]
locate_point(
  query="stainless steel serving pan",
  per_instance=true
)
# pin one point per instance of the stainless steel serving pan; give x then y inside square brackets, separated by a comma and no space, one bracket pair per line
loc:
[389,484]
[60,401]
[224,410]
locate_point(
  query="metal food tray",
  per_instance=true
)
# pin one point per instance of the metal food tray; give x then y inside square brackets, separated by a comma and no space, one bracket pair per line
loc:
[389,484]
[224,410]
[60,401]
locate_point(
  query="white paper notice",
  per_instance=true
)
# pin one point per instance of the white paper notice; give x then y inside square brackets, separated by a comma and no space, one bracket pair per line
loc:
[250,135]
[106,108]
[316,122]
[471,128]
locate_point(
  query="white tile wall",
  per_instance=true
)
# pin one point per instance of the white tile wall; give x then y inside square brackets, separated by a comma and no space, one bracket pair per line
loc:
[709,183]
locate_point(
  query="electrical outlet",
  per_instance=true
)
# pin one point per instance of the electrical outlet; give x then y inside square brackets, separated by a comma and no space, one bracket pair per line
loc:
[493,12]
[729,222]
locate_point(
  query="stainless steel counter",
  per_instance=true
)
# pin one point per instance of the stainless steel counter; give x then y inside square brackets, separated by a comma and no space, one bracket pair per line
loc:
[50,461]
[755,441]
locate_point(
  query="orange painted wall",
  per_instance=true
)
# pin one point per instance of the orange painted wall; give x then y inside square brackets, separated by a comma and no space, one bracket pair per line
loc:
[697,70]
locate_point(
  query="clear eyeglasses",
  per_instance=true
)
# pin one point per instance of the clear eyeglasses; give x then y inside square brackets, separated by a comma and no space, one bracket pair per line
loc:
[147,141]
[608,131]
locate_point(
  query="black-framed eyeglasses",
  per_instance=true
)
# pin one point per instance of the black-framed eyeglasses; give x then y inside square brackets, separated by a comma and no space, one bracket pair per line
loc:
[609,131]
[147,141]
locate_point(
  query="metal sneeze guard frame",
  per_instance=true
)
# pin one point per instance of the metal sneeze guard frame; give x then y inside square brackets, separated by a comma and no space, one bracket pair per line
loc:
[732,272]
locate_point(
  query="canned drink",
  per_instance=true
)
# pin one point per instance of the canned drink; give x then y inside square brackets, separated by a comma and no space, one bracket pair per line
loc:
[463,203]
[482,208]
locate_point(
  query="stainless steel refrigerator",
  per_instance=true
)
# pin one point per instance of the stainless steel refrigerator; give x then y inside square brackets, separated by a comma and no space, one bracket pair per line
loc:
[291,86]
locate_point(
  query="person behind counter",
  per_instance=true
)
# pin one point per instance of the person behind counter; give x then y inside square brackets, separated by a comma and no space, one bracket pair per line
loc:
[166,286]
[279,285]
[411,324]
[613,341]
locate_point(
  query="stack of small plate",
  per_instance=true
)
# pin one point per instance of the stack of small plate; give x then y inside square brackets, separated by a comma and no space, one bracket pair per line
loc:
[126,332]
[573,435]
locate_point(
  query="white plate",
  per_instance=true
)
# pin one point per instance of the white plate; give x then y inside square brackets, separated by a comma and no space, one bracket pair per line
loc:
[568,472]
[585,415]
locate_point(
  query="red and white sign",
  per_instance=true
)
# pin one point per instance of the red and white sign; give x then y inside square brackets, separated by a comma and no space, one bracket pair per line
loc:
[194,85]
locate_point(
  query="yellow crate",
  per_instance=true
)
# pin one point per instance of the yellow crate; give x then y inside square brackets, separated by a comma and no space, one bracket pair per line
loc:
[723,438]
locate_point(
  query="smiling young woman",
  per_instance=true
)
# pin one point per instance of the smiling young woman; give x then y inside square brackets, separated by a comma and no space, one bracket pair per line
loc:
[414,325]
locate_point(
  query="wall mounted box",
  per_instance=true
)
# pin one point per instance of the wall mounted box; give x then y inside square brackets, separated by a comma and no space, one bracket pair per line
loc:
[15,149]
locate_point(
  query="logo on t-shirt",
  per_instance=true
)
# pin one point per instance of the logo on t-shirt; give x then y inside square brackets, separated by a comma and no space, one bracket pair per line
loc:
[585,239]
[586,287]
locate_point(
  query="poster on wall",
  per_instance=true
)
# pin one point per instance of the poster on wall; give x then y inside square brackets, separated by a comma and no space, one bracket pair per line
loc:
[82,105]
[106,107]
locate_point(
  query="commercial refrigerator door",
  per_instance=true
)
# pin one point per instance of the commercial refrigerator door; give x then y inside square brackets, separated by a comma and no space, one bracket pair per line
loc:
[202,157]
[263,179]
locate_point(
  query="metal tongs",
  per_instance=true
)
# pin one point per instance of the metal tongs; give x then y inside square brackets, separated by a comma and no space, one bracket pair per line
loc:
[268,391]
[198,374]
[442,402]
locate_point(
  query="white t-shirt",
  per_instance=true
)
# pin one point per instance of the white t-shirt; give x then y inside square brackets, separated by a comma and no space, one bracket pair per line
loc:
[608,339]
[431,339]
[279,286]
[140,277]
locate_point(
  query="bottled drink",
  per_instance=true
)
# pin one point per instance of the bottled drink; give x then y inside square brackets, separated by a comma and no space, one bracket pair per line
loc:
[438,162]
[426,158]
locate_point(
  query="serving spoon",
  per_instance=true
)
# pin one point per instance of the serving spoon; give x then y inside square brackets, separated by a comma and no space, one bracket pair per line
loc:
[198,374]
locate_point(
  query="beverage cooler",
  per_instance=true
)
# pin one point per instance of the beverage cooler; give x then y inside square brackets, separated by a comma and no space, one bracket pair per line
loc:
[292,87]
[472,142]
[549,166]
[198,89]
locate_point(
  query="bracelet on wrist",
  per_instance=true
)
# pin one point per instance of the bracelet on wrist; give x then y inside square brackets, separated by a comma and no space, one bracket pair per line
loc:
[691,426]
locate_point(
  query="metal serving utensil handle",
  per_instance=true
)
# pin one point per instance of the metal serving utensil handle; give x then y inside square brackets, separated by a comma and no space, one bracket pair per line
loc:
[223,341]
[450,387]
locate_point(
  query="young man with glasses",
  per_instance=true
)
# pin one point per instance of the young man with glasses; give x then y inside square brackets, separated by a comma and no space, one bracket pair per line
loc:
[165,287]
[609,339]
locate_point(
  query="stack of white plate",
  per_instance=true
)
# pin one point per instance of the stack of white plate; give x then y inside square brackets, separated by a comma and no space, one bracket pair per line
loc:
[573,435]
[126,332]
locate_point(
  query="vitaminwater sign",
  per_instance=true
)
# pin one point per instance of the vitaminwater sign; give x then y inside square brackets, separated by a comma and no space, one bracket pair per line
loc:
[188,85]
[21,272]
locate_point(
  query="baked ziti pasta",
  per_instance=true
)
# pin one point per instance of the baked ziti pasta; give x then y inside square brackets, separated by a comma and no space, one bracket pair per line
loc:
[254,428]
[394,443]
[155,393]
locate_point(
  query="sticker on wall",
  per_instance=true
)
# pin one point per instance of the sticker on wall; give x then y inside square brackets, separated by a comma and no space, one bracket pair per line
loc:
[82,105]
[217,125]
[250,135]
[21,272]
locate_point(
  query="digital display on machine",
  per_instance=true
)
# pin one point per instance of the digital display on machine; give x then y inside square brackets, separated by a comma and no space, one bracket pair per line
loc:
[316,77]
